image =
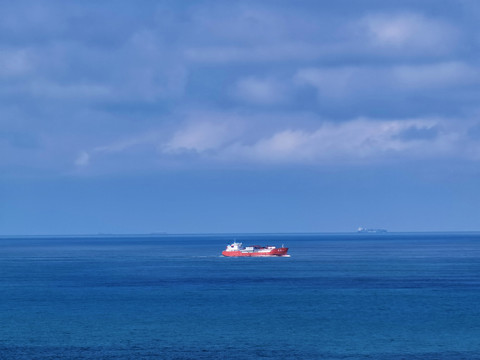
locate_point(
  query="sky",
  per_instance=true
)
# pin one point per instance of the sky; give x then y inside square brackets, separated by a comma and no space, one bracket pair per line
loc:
[239,116]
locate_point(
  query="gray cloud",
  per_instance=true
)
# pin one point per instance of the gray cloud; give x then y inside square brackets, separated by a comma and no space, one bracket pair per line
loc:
[157,82]
[359,81]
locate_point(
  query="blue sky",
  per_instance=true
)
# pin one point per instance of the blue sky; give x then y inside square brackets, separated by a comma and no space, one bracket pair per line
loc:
[239,116]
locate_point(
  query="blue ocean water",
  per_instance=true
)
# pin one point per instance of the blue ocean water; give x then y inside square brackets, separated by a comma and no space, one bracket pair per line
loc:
[340,296]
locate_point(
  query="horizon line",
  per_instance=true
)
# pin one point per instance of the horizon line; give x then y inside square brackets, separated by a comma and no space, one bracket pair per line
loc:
[160,234]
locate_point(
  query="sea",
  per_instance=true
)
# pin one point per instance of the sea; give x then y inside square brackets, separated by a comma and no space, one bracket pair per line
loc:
[339,296]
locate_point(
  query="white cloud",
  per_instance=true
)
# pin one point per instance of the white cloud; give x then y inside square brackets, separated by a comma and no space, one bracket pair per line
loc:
[355,140]
[332,82]
[144,65]
[410,32]
[201,137]
[360,81]
[198,132]
[252,34]
[260,91]
[146,142]
[346,142]
[205,138]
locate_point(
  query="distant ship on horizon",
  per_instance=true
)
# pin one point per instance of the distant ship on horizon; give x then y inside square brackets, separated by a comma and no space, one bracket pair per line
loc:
[367,230]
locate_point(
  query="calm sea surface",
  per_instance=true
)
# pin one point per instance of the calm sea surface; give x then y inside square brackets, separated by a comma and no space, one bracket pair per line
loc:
[342,296]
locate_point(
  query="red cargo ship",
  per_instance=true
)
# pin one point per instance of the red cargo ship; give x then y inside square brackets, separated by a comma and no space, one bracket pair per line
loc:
[236,249]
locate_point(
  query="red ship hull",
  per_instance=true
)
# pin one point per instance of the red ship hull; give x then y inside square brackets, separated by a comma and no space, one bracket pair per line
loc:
[274,252]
